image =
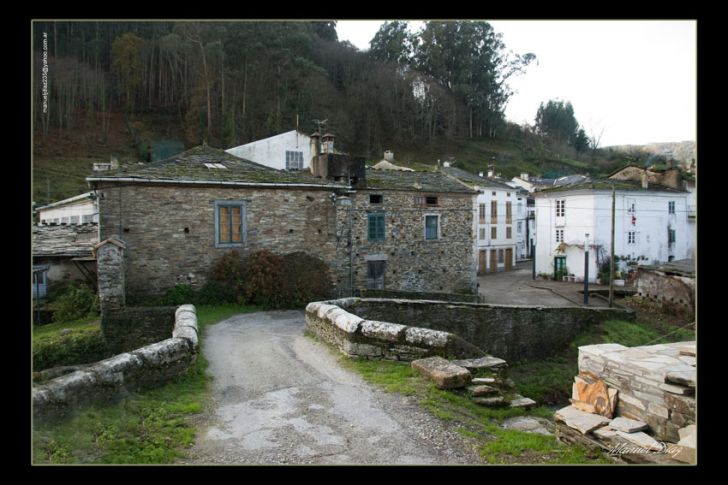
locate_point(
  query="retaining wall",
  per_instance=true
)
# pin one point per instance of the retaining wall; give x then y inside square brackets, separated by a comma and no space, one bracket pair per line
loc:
[510,332]
[132,327]
[108,379]
[357,337]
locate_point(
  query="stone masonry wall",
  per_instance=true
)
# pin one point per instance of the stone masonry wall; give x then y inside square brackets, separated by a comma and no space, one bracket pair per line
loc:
[134,327]
[357,337]
[170,230]
[507,331]
[111,274]
[658,286]
[412,263]
[145,367]
[646,392]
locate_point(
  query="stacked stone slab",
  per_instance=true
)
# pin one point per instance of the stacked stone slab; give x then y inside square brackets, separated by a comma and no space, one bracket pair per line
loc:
[656,383]
[357,337]
[108,379]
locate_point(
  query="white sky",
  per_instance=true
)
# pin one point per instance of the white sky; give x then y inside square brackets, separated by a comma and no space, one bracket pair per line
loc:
[635,80]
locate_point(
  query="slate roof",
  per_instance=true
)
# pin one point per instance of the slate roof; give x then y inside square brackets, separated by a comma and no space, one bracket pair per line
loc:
[189,166]
[65,240]
[471,178]
[681,267]
[606,184]
[414,181]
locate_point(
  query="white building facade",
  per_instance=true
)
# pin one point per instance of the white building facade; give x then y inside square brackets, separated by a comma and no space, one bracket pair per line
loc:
[496,224]
[80,209]
[651,226]
[286,151]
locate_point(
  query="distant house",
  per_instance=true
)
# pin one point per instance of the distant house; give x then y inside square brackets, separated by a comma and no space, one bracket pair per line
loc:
[496,221]
[291,150]
[651,225]
[62,254]
[80,209]
[406,231]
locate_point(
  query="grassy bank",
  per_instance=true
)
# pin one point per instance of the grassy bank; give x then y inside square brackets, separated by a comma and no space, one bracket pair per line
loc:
[145,428]
[477,423]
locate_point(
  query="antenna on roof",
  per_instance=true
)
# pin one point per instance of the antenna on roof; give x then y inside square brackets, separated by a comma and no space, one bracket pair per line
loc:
[321,124]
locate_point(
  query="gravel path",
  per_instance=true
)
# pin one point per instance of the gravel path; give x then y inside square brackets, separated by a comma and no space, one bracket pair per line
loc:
[280,397]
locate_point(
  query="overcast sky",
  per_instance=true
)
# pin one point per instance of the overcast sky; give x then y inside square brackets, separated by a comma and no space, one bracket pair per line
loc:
[635,81]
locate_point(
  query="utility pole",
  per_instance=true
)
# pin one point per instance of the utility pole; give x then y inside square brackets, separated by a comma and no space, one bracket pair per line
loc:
[586,269]
[611,255]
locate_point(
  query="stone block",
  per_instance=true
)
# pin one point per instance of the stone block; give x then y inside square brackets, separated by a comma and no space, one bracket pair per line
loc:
[483,363]
[425,337]
[164,353]
[680,404]
[347,322]
[445,374]
[496,401]
[519,401]
[528,424]
[627,425]
[679,390]
[688,436]
[390,332]
[682,453]
[658,410]
[643,440]
[579,420]
[481,390]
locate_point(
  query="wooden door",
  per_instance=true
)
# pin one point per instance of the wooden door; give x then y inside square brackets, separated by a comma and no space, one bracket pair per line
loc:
[493,260]
[509,259]
[375,275]
[481,262]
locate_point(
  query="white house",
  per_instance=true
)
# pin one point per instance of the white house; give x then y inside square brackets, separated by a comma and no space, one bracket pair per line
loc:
[692,217]
[495,223]
[651,226]
[80,209]
[287,151]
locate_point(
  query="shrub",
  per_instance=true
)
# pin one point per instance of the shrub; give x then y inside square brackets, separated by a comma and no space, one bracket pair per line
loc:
[214,293]
[77,302]
[75,347]
[228,274]
[178,295]
[306,279]
[264,282]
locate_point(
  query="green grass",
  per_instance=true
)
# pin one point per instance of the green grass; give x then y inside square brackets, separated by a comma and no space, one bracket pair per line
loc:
[147,427]
[478,423]
[80,343]
[53,330]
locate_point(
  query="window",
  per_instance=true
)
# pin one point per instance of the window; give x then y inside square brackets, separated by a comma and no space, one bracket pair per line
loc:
[631,237]
[74,219]
[431,229]
[493,193]
[428,201]
[376,227]
[87,218]
[482,234]
[509,233]
[519,228]
[508,194]
[559,235]
[494,233]
[509,213]
[493,212]
[631,206]
[501,257]
[560,208]
[375,199]
[482,214]
[294,160]
[671,236]
[229,223]
[375,275]
[671,207]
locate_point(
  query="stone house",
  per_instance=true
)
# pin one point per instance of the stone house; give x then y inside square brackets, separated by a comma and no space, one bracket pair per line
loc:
[180,215]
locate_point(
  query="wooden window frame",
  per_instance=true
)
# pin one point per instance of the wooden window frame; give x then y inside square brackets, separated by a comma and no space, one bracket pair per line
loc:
[374,216]
[424,223]
[242,205]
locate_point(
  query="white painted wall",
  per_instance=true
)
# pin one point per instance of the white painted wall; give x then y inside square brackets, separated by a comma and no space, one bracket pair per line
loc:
[692,221]
[501,242]
[590,212]
[271,152]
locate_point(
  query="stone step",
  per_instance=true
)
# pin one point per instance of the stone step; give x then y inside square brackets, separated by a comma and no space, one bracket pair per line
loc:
[487,363]
[528,424]
[497,401]
[445,374]
[482,390]
[682,378]
[643,440]
[627,425]
[579,420]
[522,402]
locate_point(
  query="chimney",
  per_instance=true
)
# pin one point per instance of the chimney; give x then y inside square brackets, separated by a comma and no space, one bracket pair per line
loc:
[480,174]
[491,171]
[445,164]
[327,143]
[389,155]
[645,184]
[524,176]
[315,143]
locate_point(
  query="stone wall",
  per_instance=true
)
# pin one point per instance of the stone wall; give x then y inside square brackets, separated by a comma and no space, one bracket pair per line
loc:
[420,295]
[412,263]
[508,331]
[357,337]
[133,327]
[170,230]
[661,287]
[145,367]
[650,383]
[111,273]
